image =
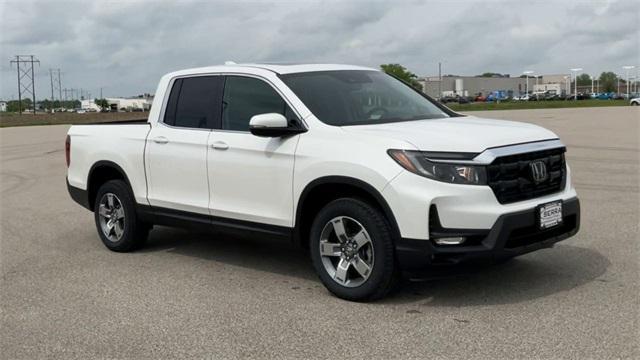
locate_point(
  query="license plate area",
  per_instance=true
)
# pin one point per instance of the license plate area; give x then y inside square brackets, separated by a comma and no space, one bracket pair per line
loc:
[549,215]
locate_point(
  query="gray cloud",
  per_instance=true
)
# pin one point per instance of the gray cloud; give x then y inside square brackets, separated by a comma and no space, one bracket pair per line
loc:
[125,46]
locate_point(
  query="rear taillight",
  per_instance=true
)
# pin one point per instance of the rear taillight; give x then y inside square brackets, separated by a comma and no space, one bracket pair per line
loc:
[67,150]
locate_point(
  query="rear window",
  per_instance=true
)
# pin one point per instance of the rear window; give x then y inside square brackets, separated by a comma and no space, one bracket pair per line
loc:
[193,102]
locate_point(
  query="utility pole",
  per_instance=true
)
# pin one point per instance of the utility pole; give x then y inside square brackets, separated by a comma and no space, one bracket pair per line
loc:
[575,82]
[439,80]
[24,65]
[59,88]
[54,74]
[526,86]
[66,92]
[51,76]
[628,67]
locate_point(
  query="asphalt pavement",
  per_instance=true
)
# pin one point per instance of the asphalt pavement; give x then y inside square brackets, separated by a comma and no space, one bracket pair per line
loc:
[64,295]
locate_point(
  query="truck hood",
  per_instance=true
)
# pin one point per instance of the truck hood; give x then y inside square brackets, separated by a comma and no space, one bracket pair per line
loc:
[457,134]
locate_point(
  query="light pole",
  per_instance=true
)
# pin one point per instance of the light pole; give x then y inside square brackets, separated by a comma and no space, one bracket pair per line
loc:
[628,67]
[575,82]
[526,88]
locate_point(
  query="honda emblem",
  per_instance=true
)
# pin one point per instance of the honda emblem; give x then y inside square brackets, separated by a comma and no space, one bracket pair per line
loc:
[538,171]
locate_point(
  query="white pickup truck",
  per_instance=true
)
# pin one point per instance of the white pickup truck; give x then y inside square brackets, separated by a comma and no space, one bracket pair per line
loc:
[374,178]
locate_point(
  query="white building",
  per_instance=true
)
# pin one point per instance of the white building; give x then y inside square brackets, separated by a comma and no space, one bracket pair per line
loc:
[120,104]
[129,104]
[89,105]
[3,106]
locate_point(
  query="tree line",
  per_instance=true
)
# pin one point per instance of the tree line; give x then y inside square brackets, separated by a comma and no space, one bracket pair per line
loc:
[27,104]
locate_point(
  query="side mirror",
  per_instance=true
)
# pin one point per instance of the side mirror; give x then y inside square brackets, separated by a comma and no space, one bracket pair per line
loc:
[271,125]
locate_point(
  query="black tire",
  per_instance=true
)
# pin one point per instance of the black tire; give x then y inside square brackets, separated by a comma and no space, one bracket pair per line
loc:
[134,232]
[384,273]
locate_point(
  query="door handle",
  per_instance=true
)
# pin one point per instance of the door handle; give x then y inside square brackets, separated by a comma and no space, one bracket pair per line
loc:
[160,140]
[220,145]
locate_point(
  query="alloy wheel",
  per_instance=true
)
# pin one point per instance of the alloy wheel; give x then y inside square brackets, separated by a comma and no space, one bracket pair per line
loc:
[346,251]
[111,214]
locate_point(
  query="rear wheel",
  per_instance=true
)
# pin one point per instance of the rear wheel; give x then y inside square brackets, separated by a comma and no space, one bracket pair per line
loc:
[352,250]
[116,219]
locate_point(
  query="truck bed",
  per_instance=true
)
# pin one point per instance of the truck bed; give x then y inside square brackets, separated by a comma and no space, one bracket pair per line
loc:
[118,142]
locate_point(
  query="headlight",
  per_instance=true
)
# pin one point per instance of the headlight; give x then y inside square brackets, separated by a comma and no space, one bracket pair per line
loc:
[418,163]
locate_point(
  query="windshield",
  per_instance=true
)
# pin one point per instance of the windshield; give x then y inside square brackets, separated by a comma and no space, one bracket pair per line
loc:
[357,97]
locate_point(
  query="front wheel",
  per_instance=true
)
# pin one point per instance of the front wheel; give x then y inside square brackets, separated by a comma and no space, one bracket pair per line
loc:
[116,219]
[352,250]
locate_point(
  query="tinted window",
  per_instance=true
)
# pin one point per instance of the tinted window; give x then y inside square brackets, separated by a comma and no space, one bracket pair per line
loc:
[245,97]
[352,97]
[170,112]
[193,102]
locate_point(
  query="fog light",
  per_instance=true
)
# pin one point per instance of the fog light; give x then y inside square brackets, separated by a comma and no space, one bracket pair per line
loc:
[450,240]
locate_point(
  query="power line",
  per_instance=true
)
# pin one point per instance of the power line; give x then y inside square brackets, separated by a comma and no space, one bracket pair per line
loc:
[26,78]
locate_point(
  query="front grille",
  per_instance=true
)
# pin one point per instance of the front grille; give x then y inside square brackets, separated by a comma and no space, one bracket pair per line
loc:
[511,177]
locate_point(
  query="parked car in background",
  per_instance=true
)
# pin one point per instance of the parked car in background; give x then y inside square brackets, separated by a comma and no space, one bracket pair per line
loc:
[448,99]
[550,95]
[580,96]
[499,95]
[463,100]
[373,189]
[635,101]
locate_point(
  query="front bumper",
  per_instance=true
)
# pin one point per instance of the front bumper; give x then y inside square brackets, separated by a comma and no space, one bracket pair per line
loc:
[511,235]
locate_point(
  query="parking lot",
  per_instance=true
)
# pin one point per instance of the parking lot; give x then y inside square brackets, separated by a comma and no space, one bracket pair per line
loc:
[63,295]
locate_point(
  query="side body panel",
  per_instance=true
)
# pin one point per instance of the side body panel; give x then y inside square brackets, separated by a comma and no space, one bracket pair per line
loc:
[331,151]
[252,179]
[177,168]
[123,145]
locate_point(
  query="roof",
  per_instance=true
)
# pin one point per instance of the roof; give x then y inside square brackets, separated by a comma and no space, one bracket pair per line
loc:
[298,68]
[276,68]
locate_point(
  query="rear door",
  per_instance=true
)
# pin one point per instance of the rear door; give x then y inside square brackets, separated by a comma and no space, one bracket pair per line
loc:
[251,177]
[177,145]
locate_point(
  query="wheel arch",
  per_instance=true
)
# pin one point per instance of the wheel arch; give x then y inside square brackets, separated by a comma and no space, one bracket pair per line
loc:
[101,172]
[321,191]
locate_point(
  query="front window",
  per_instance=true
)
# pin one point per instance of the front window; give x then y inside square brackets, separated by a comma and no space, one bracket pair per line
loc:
[245,97]
[356,97]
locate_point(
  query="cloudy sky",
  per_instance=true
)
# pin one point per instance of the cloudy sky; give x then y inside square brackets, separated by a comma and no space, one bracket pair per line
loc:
[125,46]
